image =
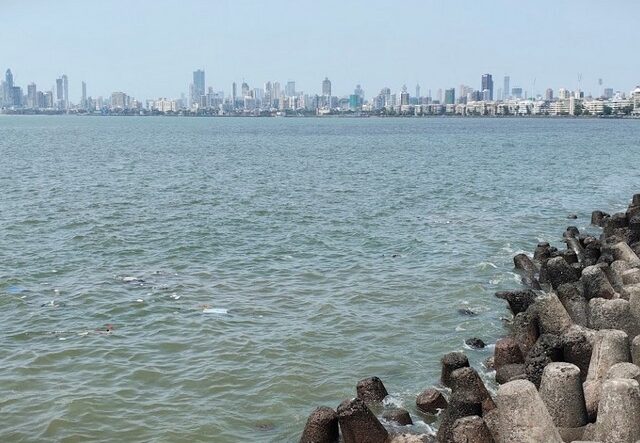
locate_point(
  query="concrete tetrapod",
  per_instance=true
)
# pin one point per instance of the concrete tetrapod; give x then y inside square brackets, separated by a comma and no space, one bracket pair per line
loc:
[321,427]
[561,392]
[619,412]
[523,416]
[358,424]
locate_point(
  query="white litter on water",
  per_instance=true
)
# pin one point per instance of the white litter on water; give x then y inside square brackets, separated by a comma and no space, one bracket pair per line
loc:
[140,300]
[175,296]
[215,311]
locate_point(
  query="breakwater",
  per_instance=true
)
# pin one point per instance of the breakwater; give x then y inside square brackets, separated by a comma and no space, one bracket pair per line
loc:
[567,369]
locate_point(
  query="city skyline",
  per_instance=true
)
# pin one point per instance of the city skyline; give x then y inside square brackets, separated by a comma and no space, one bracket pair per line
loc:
[441,45]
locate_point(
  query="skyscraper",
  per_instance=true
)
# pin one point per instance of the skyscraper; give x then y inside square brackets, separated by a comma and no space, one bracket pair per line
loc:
[234,93]
[197,91]
[417,90]
[59,94]
[548,95]
[487,85]
[505,88]
[32,101]
[8,88]
[65,85]
[326,87]
[290,89]
[83,102]
[450,96]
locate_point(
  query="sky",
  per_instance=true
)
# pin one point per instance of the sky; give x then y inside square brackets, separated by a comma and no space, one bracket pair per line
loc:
[149,48]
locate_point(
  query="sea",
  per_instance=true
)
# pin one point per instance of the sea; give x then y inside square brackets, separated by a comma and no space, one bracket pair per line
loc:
[167,279]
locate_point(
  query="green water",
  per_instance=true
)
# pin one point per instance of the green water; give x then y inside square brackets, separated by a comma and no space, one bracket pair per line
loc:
[253,269]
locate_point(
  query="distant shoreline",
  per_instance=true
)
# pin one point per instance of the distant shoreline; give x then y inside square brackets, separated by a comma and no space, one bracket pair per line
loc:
[340,116]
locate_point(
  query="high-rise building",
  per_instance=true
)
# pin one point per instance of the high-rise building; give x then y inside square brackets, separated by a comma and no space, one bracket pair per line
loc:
[32,96]
[404,96]
[65,85]
[608,93]
[487,85]
[505,88]
[59,94]
[83,102]
[290,89]
[548,94]
[197,89]
[245,90]
[360,92]
[7,90]
[450,96]
[326,87]
[418,91]
[516,93]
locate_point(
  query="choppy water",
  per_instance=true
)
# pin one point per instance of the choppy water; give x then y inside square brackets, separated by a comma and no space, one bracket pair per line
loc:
[253,269]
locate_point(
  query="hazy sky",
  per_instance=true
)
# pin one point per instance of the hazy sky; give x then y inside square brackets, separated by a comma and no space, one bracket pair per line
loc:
[149,48]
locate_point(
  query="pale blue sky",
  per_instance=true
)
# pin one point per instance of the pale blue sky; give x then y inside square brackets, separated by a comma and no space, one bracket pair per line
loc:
[149,48]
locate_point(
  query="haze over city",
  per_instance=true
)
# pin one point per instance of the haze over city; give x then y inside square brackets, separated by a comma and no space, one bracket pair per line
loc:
[150,48]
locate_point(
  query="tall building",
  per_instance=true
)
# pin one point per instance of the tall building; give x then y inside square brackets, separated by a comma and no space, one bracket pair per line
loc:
[32,96]
[7,90]
[197,89]
[487,85]
[59,94]
[418,91]
[404,96]
[83,101]
[326,87]
[608,93]
[450,96]
[516,93]
[505,88]
[65,85]
[548,94]
[290,89]
[360,92]
[245,90]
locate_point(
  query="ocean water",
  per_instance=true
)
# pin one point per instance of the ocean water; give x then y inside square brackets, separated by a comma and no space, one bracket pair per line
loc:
[184,279]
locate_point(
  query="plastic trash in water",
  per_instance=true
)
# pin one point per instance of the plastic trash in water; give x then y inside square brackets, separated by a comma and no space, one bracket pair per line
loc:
[215,311]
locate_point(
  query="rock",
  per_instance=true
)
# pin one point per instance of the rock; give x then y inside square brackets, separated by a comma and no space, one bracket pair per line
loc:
[575,304]
[622,251]
[468,312]
[523,416]
[527,269]
[619,412]
[430,401]
[635,350]
[507,373]
[524,329]
[576,349]
[519,300]
[321,427]
[412,438]
[624,370]
[459,406]
[576,247]
[598,218]
[560,272]
[358,424]
[542,252]
[371,390]
[547,349]
[610,347]
[552,315]
[614,273]
[561,392]
[591,252]
[631,276]
[615,225]
[596,283]
[397,415]
[572,216]
[451,362]
[489,363]
[570,256]
[468,382]
[474,343]
[611,314]
[471,429]
[571,232]
[507,352]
